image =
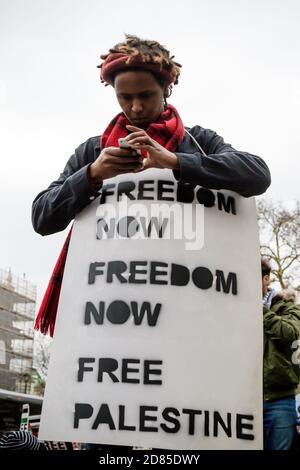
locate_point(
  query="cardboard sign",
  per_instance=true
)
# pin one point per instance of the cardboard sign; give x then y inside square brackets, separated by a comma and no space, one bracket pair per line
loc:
[158,339]
[54,445]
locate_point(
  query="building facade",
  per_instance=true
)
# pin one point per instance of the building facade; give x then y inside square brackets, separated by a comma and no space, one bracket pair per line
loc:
[17,312]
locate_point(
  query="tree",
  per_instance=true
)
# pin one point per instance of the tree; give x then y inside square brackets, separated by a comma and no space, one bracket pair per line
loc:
[280,241]
[41,360]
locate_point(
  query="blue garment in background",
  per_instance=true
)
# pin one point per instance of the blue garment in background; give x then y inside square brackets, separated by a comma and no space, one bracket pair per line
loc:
[267,300]
[279,423]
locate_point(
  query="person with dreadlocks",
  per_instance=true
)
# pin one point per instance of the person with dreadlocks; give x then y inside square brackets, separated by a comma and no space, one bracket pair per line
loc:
[281,371]
[142,73]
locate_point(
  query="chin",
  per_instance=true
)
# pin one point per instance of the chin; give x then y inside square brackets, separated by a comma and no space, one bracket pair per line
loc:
[141,124]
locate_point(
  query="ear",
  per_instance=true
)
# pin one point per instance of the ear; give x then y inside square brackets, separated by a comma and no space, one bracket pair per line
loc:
[167,91]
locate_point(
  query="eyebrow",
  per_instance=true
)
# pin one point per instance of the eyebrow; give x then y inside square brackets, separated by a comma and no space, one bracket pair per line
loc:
[132,94]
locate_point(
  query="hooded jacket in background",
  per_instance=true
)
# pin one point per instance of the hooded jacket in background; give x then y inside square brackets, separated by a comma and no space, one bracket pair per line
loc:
[281,332]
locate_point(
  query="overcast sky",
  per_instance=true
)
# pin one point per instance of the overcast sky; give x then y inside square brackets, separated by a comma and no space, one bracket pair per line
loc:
[240,77]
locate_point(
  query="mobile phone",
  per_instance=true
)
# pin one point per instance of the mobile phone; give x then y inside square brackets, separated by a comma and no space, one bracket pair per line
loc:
[124,144]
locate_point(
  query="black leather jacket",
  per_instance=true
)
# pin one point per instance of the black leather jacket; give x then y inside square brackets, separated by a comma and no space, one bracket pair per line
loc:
[222,168]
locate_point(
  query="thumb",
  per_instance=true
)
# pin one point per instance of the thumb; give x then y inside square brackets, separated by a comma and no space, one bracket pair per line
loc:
[147,163]
[147,150]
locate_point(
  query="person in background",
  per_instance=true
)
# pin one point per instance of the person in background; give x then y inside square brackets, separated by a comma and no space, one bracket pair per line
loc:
[281,372]
[20,440]
[268,292]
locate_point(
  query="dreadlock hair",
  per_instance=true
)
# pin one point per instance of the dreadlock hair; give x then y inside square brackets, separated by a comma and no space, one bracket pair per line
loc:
[147,51]
[265,267]
[160,80]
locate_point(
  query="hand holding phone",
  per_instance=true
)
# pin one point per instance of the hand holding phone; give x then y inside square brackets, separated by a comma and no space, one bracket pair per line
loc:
[124,144]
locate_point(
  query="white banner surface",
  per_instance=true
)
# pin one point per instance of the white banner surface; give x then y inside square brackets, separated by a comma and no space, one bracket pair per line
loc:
[158,337]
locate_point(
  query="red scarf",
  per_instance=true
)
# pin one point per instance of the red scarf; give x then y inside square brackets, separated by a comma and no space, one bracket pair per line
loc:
[168,131]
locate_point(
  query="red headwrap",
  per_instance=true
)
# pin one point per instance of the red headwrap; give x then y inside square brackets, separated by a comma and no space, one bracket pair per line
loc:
[119,61]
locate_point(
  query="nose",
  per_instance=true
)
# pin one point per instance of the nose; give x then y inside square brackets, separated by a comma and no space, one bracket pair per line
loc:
[136,106]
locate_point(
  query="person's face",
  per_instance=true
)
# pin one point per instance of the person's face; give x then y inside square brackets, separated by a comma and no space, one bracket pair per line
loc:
[140,97]
[265,283]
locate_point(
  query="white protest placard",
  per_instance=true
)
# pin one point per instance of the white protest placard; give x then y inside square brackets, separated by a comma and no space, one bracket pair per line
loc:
[158,337]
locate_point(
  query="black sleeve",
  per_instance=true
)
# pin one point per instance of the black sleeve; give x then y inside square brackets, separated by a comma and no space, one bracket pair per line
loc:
[223,167]
[56,206]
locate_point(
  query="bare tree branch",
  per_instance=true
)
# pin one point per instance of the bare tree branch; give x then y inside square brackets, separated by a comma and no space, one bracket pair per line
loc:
[280,240]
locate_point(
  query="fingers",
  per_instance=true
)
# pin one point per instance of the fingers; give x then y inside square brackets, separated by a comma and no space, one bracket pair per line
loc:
[127,166]
[134,128]
[139,170]
[144,139]
[134,135]
[137,132]
[150,149]
[124,161]
[136,170]
[147,164]
[118,152]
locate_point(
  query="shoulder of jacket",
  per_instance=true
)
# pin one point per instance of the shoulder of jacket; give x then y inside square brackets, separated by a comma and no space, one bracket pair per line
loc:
[90,145]
[292,307]
[194,130]
[286,308]
[278,304]
[202,134]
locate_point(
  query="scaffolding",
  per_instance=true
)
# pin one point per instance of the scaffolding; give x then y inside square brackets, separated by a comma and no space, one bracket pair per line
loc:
[17,312]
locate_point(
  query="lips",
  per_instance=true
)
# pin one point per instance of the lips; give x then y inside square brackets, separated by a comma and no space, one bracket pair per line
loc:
[139,122]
